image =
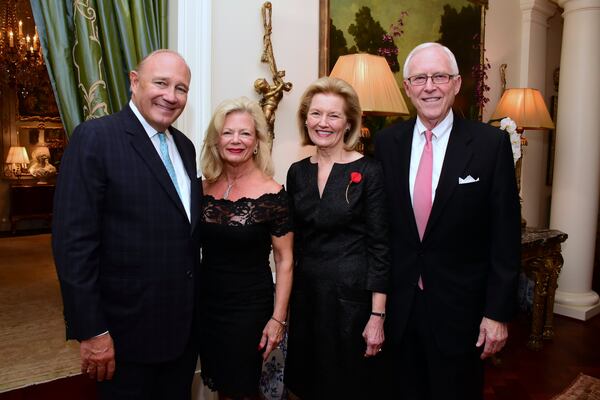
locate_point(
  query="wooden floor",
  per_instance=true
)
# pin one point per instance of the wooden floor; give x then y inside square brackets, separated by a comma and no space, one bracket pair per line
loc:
[521,375]
[74,388]
[529,375]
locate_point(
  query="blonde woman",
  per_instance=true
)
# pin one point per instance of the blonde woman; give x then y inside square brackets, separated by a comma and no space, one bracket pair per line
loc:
[245,213]
[337,308]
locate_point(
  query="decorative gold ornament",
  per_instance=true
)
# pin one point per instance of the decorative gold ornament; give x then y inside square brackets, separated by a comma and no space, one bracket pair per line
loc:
[271,94]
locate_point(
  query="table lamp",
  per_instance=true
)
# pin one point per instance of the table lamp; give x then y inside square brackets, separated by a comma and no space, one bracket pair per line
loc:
[17,159]
[374,82]
[526,107]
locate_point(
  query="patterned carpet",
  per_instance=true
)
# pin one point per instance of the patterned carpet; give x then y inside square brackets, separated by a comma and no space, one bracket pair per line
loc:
[583,388]
[32,336]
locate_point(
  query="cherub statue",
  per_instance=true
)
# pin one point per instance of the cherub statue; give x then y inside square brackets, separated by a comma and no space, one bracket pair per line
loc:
[271,96]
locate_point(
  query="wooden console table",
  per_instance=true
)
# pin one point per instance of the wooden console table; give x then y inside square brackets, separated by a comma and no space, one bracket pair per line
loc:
[30,201]
[541,260]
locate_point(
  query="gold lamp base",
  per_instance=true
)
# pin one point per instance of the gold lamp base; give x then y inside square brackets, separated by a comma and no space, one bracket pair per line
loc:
[518,176]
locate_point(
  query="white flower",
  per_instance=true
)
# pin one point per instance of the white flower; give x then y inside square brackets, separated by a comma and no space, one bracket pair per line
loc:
[510,127]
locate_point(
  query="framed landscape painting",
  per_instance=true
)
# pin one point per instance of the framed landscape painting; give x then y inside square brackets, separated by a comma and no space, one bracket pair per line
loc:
[391,28]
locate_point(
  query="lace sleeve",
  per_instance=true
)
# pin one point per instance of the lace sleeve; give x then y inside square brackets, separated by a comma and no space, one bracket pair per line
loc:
[280,222]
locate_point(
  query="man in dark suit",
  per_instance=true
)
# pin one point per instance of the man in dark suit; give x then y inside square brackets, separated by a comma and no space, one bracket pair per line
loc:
[455,236]
[125,239]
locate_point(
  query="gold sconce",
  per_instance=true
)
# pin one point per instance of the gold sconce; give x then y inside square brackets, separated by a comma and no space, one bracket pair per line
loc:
[271,94]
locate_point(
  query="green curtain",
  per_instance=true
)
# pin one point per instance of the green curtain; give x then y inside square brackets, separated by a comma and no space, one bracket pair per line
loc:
[89,47]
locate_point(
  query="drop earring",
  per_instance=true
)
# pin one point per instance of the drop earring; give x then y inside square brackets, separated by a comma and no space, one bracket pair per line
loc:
[255,152]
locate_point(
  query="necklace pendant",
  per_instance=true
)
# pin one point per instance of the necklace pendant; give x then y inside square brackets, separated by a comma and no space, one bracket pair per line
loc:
[227,191]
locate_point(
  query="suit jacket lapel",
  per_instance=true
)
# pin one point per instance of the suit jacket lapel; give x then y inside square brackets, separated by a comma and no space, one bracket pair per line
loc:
[190,167]
[458,154]
[404,140]
[146,150]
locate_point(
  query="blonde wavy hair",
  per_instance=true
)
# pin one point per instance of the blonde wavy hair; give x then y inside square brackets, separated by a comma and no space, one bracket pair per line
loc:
[338,87]
[210,160]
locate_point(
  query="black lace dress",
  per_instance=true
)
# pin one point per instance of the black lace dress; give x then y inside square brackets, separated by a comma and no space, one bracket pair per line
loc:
[236,287]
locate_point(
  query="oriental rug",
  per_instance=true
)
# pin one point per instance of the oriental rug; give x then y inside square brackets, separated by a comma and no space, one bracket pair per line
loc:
[584,387]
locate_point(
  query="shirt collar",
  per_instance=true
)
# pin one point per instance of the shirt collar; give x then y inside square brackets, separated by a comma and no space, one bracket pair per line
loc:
[150,131]
[441,129]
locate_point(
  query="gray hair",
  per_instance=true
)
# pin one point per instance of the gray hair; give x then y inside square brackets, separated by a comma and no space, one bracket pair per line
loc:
[423,46]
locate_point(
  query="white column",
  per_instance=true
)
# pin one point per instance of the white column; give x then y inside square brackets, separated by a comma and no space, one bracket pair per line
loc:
[534,31]
[576,187]
[190,33]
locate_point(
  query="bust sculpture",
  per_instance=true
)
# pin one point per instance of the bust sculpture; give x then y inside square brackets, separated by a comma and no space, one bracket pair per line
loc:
[40,167]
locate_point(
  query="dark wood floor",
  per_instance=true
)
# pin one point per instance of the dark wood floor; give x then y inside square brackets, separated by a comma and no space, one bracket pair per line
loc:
[539,375]
[74,388]
[521,375]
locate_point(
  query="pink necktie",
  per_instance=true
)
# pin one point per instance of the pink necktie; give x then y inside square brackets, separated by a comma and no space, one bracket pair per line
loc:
[422,191]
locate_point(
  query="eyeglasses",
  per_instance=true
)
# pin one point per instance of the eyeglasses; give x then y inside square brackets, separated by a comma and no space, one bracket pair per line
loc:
[436,79]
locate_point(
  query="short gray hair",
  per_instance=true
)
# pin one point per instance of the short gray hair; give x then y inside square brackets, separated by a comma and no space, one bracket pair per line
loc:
[423,46]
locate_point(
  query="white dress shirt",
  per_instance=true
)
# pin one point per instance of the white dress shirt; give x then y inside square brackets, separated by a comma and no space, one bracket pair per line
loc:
[439,142]
[183,180]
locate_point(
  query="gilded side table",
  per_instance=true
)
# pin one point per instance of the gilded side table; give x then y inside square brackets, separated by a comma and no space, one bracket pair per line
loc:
[541,260]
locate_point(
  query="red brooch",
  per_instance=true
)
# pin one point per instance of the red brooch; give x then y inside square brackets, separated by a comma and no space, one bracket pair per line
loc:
[355,177]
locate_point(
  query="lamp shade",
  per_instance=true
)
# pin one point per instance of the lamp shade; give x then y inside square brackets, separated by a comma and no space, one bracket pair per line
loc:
[374,83]
[526,107]
[17,155]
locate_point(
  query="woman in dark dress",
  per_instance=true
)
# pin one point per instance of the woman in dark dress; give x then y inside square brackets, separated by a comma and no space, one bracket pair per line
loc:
[341,274]
[245,213]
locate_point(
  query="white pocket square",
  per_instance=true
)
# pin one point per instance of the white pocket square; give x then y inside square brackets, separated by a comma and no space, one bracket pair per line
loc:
[468,179]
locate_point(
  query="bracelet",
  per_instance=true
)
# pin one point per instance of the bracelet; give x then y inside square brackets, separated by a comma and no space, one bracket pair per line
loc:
[378,314]
[282,323]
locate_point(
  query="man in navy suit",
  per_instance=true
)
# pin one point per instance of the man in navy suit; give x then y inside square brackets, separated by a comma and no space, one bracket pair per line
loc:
[455,236]
[125,239]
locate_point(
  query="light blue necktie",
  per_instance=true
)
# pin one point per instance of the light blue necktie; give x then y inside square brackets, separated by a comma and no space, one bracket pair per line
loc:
[164,154]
